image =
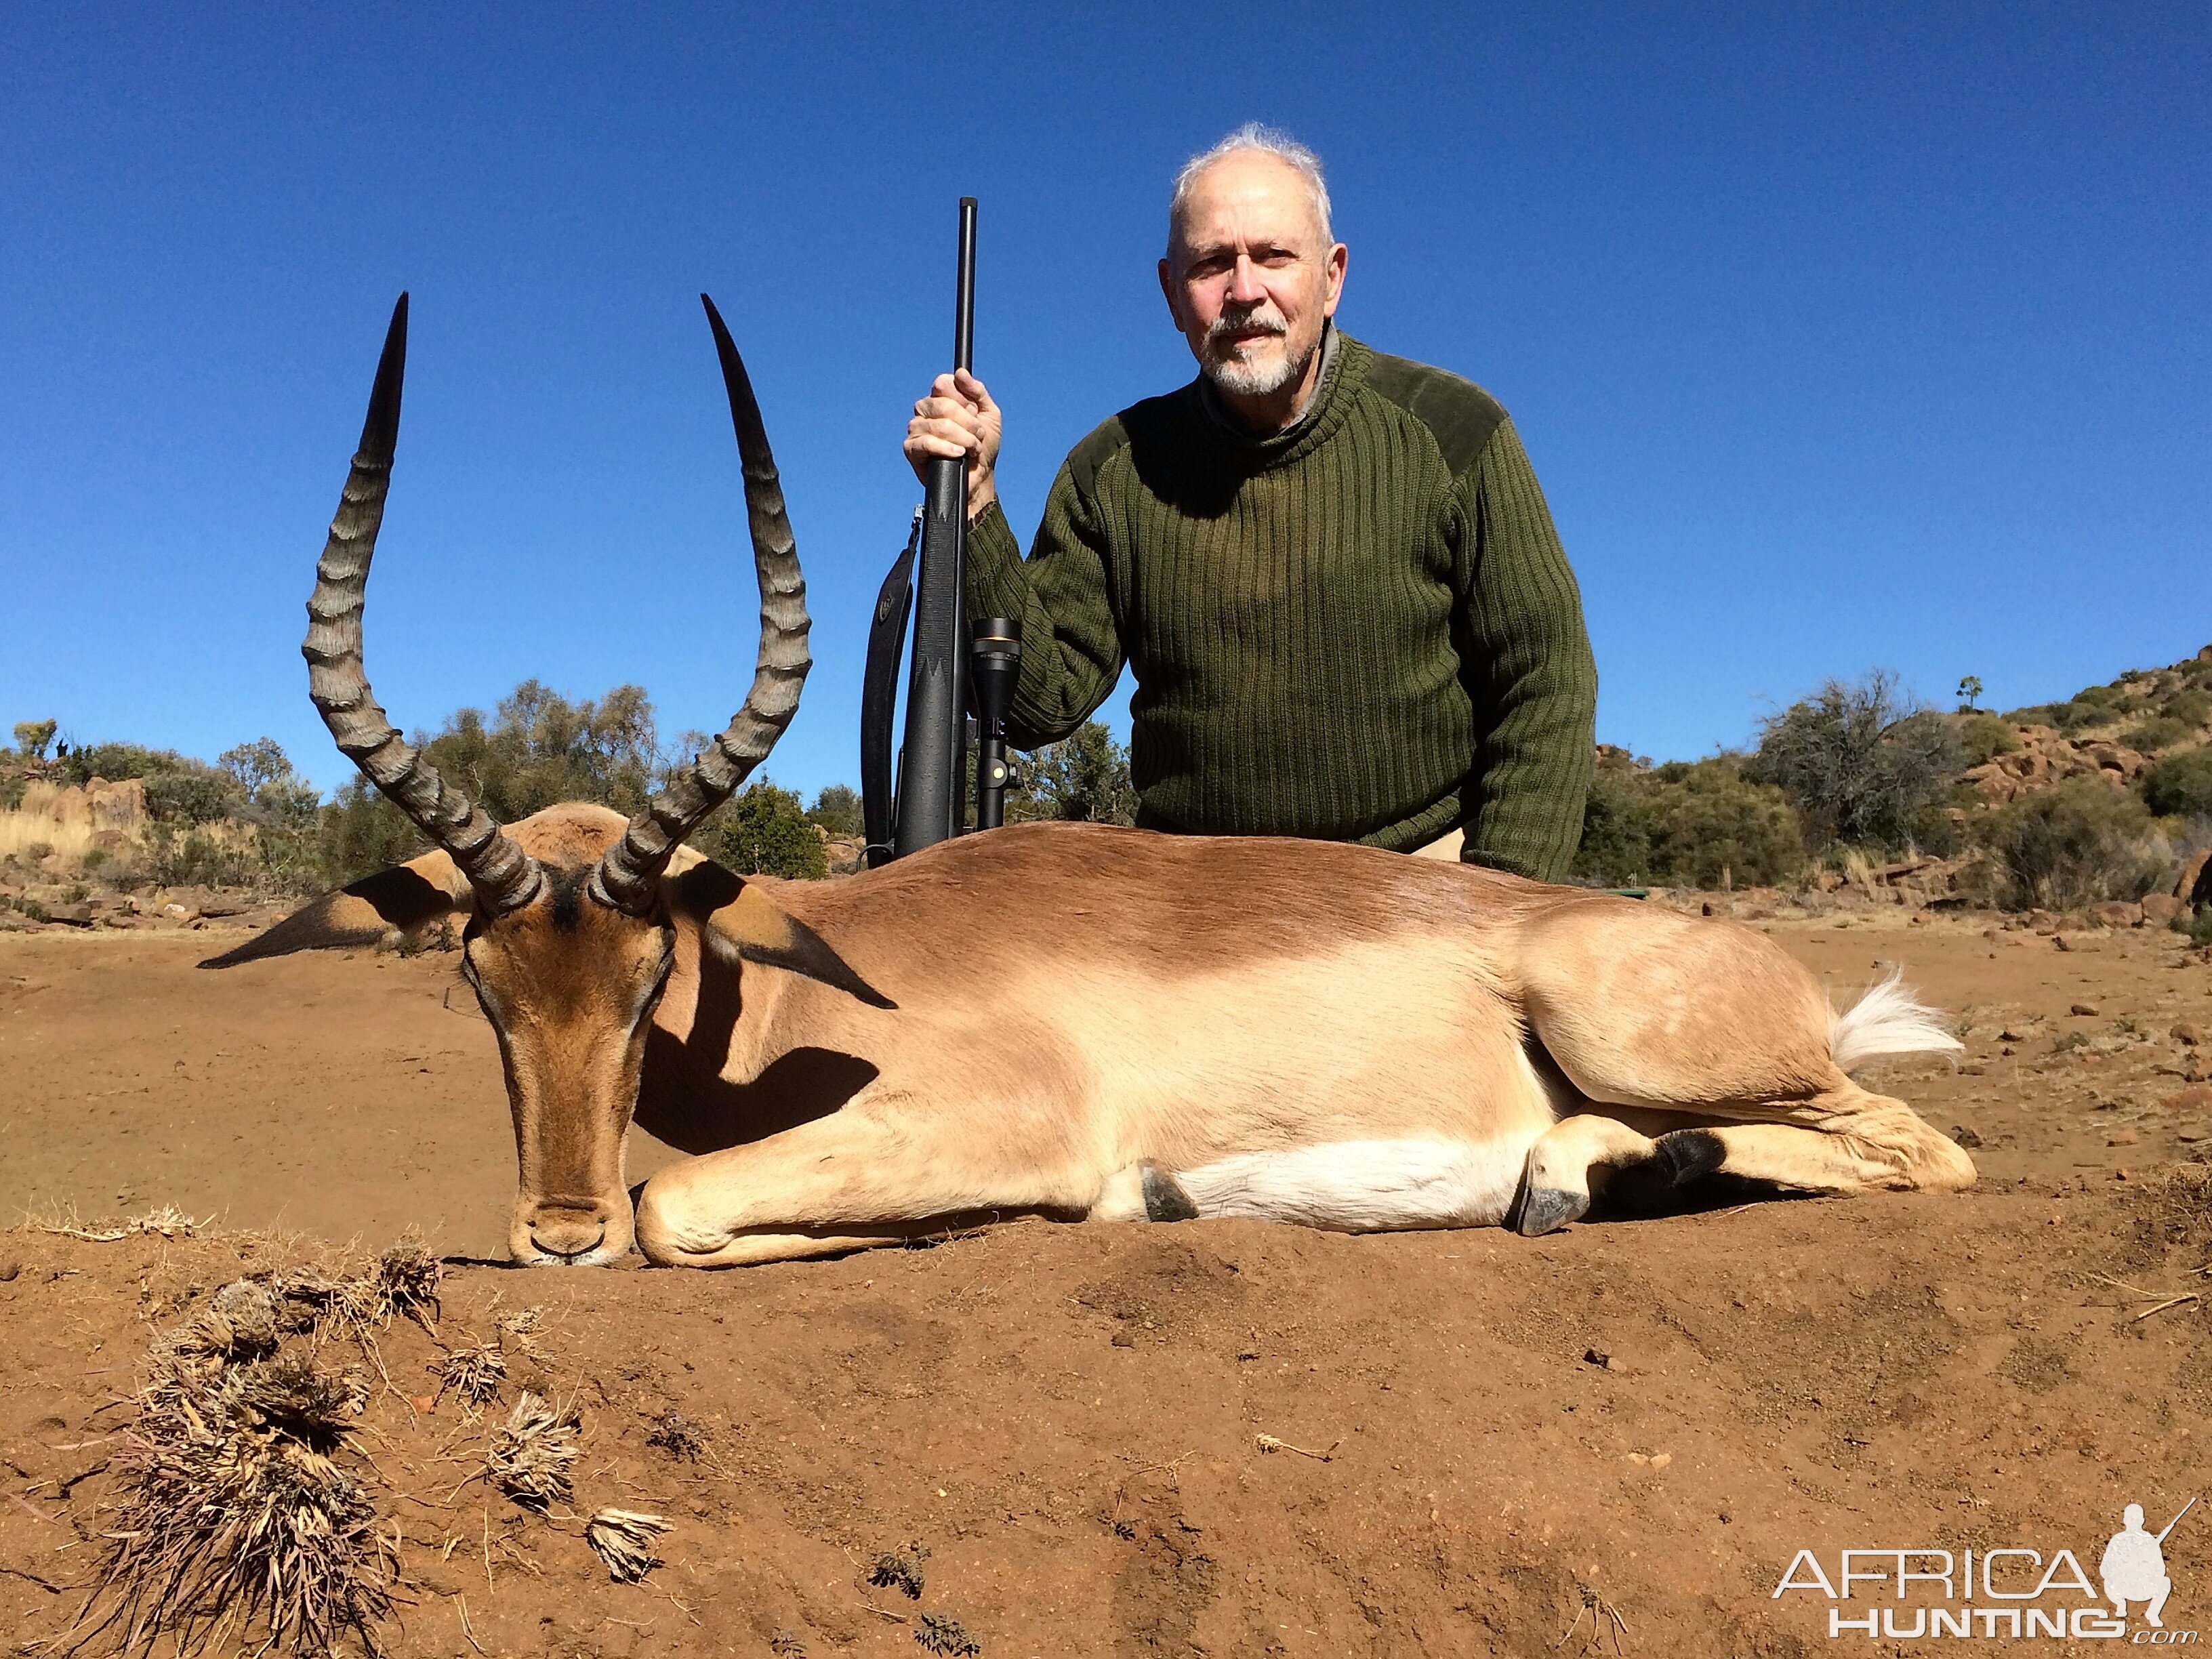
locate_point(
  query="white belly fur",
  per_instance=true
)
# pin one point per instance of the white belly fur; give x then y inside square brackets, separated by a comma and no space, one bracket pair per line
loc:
[1364,1185]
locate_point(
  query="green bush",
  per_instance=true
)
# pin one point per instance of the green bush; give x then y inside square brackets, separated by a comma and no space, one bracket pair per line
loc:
[1861,763]
[837,809]
[2159,731]
[1084,778]
[538,749]
[2074,844]
[2180,786]
[1984,737]
[2197,926]
[2190,707]
[1687,825]
[2101,697]
[191,857]
[765,831]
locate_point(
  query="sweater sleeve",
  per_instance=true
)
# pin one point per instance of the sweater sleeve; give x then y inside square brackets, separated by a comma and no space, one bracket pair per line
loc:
[1071,651]
[1534,680]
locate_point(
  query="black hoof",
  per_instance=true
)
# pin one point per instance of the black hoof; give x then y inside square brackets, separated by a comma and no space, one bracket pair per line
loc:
[1685,1155]
[1546,1209]
[1165,1198]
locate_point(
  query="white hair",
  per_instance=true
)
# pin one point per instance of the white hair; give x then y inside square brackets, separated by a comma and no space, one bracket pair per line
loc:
[1255,137]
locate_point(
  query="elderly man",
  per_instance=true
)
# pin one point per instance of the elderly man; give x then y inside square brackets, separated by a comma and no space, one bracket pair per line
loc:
[1332,570]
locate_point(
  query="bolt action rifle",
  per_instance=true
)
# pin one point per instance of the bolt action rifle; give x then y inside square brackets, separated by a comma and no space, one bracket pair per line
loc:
[955,668]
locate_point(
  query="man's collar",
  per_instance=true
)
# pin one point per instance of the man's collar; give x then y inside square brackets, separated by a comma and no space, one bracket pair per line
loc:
[1308,412]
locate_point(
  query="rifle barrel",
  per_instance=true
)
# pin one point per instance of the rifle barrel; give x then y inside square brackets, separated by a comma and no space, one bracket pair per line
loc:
[963,313]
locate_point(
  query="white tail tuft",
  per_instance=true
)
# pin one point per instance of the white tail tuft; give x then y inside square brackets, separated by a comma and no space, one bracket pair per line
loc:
[1887,1020]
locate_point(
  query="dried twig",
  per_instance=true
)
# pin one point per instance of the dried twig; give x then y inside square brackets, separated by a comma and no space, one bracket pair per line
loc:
[1604,1619]
[1269,1443]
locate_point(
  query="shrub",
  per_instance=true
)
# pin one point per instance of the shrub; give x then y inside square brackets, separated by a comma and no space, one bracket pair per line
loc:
[2159,731]
[2191,708]
[1861,763]
[2078,842]
[765,831]
[2180,786]
[1984,737]
[1084,778]
[1687,825]
[191,857]
[837,809]
[539,748]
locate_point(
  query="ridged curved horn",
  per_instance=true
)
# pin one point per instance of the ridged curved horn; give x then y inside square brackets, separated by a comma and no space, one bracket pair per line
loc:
[628,877]
[504,876]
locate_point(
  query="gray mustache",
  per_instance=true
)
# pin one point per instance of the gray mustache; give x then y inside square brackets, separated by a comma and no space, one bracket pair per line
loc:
[1265,322]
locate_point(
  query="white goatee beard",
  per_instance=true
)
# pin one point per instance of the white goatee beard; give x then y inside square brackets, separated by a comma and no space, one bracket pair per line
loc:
[1249,379]
[1254,379]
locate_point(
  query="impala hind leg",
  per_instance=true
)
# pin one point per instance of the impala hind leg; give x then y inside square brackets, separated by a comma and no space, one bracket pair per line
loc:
[856,1178]
[1851,1141]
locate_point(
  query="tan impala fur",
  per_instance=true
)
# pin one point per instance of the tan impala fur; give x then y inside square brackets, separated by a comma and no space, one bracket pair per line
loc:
[1072,1019]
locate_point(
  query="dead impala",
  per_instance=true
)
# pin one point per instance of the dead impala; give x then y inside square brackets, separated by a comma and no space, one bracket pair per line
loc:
[1069,1020]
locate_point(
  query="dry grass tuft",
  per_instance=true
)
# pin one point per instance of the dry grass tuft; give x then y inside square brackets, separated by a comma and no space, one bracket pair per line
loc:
[623,1538]
[168,1221]
[531,1452]
[236,1512]
[474,1373]
[21,831]
[407,1280]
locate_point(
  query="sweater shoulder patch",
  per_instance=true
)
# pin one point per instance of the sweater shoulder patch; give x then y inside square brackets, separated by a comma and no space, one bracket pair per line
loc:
[1459,414]
[1102,443]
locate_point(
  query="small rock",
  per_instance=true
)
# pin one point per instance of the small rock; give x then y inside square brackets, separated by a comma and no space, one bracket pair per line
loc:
[8,1269]
[2185,1031]
[2010,1036]
[2196,1099]
[2122,1137]
[1964,1136]
[2059,939]
[1597,1357]
[2086,1010]
[2161,908]
[1661,1460]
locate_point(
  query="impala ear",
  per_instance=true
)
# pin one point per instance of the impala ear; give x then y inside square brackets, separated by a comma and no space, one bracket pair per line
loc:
[739,918]
[377,909]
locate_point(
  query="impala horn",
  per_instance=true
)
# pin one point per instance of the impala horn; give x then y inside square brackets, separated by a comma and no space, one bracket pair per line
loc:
[504,876]
[629,877]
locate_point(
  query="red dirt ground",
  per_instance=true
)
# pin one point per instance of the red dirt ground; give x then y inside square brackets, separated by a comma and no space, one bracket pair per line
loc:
[1070,1419]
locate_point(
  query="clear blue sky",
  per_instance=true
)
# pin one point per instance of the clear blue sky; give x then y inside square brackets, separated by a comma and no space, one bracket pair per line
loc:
[1839,336]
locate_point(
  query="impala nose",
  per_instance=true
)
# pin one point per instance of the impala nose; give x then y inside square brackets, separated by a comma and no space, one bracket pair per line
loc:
[568,1234]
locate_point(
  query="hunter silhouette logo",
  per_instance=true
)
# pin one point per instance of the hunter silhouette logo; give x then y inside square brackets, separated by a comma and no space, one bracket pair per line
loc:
[2134,1564]
[2007,1591]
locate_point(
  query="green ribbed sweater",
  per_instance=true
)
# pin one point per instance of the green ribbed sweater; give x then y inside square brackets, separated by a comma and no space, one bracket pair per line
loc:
[1364,629]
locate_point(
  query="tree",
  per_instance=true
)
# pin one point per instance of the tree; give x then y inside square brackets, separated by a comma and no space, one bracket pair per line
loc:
[32,738]
[1862,763]
[1687,824]
[1083,779]
[538,748]
[765,831]
[837,809]
[1970,688]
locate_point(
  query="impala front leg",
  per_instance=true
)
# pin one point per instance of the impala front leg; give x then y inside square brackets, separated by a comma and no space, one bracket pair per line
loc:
[881,1172]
